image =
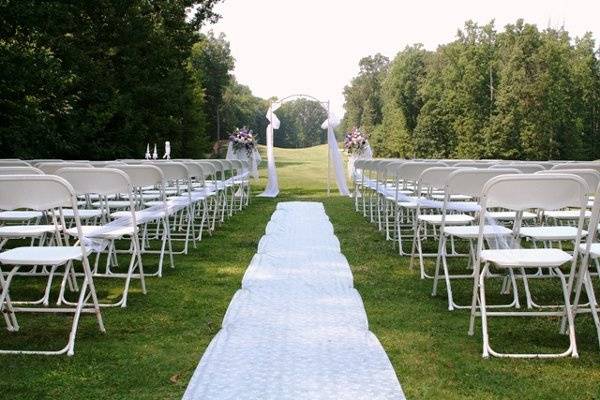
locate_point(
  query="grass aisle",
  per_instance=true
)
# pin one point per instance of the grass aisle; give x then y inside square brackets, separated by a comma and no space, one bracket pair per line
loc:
[152,348]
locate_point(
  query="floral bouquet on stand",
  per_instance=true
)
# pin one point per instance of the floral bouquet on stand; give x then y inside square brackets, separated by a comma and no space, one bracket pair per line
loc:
[355,142]
[242,146]
[243,139]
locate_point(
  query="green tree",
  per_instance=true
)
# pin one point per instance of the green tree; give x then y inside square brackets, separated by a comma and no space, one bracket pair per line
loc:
[585,101]
[301,121]
[210,63]
[402,102]
[363,102]
[241,108]
[98,79]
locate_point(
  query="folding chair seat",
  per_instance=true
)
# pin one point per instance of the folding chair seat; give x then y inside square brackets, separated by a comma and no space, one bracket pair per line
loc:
[572,215]
[157,192]
[20,216]
[83,213]
[454,197]
[551,233]
[450,219]
[113,234]
[509,216]
[518,193]
[527,258]
[42,255]
[44,193]
[594,251]
[469,232]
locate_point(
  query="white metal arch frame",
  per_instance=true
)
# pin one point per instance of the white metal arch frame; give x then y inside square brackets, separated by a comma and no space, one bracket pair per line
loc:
[334,158]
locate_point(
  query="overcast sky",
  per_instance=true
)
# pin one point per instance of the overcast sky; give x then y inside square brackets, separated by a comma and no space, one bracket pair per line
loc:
[284,47]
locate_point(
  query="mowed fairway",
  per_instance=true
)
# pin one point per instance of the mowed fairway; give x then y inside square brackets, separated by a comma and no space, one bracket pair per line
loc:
[152,347]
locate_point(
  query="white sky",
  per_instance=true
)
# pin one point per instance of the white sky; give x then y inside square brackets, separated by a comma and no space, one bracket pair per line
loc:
[284,47]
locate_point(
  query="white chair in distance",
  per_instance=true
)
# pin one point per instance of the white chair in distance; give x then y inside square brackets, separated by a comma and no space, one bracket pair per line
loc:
[144,176]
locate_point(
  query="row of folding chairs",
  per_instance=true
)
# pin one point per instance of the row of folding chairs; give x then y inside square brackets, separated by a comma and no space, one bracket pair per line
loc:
[517,223]
[73,221]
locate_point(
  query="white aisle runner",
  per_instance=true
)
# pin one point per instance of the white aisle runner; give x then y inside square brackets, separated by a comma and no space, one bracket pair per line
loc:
[297,329]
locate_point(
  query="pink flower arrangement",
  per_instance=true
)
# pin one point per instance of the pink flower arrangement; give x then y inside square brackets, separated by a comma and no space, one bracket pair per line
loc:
[243,139]
[355,141]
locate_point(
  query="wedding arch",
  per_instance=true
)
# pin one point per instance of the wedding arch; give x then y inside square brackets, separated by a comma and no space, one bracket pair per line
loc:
[334,158]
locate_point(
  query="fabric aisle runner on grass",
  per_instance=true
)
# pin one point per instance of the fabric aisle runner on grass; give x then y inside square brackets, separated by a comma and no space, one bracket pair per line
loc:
[297,329]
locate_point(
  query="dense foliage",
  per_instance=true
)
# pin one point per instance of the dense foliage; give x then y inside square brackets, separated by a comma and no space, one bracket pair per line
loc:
[301,121]
[241,108]
[81,79]
[518,94]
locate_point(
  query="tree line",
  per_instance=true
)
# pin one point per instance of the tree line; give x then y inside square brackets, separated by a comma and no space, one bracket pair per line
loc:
[101,79]
[522,93]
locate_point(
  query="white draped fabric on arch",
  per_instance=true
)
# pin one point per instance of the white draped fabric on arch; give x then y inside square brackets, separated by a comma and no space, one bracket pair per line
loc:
[335,161]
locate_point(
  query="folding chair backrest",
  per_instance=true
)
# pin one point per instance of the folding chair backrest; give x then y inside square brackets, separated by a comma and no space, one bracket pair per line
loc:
[590,176]
[220,167]
[475,164]
[141,175]
[209,169]
[522,167]
[20,171]
[173,171]
[14,163]
[470,181]
[577,165]
[387,167]
[436,177]
[411,171]
[36,192]
[50,168]
[37,161]
[451,163]
[228,166]
[238,165]
[542,191]
[195,169]
[102,181]
[132,162]
[104,164]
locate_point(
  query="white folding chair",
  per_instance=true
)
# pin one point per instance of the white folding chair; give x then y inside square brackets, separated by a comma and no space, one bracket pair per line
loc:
[181,218]
[141,177]
[453,222]
[105,182]
[43,193]
[519,193]
[590,250]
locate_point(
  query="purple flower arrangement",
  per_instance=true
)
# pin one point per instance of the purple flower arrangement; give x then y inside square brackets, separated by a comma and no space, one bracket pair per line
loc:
[243,139]
[355,141]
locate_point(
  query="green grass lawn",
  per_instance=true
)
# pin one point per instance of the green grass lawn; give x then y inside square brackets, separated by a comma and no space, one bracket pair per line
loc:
[152,347]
